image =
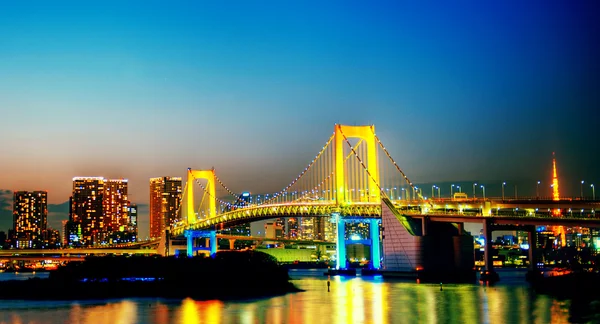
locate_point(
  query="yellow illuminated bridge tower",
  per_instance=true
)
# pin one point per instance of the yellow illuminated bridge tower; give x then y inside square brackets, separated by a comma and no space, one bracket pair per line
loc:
[367,135]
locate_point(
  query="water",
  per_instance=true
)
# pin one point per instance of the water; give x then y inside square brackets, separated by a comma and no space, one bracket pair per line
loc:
[351,300]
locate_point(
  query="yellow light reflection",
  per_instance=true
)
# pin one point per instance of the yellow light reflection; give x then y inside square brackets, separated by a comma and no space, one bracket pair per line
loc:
[357,307]
[189,312]
[379,295]
[340,289]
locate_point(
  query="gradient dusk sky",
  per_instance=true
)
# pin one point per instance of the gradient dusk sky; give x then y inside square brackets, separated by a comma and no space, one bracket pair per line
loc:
[480,90]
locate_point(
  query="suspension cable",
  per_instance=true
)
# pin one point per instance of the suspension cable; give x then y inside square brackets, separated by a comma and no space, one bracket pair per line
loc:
[275,195]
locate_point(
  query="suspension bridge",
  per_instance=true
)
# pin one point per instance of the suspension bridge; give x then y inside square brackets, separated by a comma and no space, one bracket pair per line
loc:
[348,179]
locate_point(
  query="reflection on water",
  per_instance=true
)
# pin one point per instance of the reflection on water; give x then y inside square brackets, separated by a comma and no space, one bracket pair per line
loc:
[351,300]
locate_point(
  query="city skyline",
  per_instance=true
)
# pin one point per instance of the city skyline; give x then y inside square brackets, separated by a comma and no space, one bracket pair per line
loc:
[471,92]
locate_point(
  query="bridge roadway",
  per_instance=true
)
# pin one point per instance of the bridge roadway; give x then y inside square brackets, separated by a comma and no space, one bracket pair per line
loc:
[511,203]
[365,210]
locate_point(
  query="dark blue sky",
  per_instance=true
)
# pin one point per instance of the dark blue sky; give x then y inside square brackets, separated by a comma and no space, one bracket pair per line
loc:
[475,90]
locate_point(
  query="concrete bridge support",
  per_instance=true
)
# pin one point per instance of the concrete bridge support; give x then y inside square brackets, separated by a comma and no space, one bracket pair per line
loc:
[374,242]
[341,262]
[192,235]
[488,274]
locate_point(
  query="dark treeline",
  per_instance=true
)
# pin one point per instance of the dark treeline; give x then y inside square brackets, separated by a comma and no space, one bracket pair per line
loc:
[230,274]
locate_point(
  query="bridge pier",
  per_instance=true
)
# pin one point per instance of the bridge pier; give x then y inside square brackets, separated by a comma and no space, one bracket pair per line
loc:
[231,244]
[375,250]
[191,235]
[374,242]
[340,262]
[489,274]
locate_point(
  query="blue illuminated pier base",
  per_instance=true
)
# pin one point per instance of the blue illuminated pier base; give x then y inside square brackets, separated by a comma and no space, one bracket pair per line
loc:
[375,253]
[341,243]
[374,242]
[191,235]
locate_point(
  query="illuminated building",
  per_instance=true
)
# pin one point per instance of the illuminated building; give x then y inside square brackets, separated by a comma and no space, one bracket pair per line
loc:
[133,218]
[280,222]
[292,228]
[273,230]
[165,198]
[306,230]
[30,212]
[64,240]
[86,217]
[51,239]
[115,205]
[330,229]
[309,228]
[319,228]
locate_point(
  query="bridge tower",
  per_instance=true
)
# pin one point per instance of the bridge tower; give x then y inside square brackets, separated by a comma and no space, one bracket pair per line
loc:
[367,135]
[192,175]
[190,216]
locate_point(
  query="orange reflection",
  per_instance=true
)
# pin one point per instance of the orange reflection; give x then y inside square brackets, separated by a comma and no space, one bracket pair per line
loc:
[161,314]
[210,311]
[123,312]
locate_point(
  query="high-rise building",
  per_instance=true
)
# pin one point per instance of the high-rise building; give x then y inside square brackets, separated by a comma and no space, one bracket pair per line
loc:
[64,241]
[115,205]
[87,226]
[30,212]
[133,217]
[51,239]
[165,199]
[319,228]
[292,228]
[281,222]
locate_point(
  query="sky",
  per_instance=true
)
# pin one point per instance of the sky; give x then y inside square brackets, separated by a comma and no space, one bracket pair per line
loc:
[468,91]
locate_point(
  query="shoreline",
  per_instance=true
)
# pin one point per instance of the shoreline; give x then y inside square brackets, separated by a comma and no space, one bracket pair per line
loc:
[229,276]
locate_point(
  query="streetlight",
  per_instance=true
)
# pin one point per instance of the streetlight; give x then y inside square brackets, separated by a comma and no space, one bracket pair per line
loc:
[537,189]
[439,195]
[581,189]
[403,194]
[432,187]
[503,184]
[474,190]
[459,188]
[451,187]
[483,187]
[593,192]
